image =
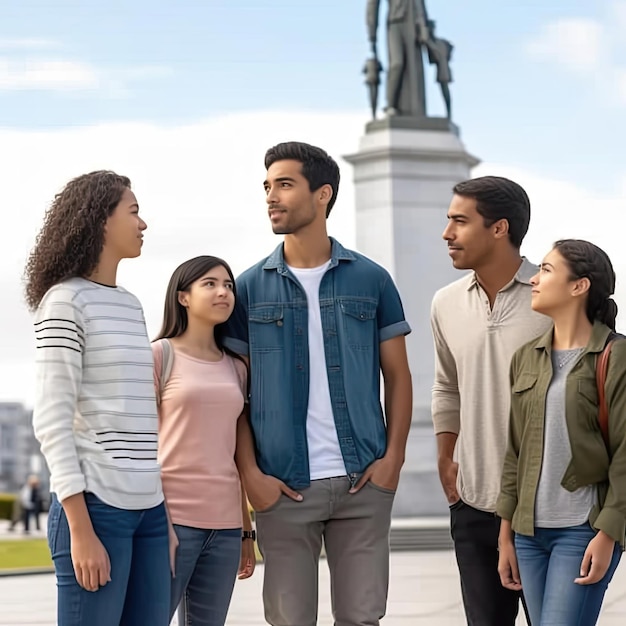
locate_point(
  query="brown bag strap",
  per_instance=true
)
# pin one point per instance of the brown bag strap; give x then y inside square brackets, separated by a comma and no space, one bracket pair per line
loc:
[602,364]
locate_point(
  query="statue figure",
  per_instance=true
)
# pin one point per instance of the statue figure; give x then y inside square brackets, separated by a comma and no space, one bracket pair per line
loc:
[407,30]
[440,53]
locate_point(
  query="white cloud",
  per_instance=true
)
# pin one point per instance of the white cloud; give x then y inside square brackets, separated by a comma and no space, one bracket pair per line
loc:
[29,74]
[592,48]
[578,44]
[618,15]
[620,83]
[26,43]
[23,68]
[199,187]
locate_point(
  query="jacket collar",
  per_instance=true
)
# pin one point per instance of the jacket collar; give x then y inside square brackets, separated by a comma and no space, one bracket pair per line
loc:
[597,341]
[276,260]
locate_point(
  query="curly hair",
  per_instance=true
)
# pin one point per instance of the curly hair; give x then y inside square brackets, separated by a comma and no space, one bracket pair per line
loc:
[72,236]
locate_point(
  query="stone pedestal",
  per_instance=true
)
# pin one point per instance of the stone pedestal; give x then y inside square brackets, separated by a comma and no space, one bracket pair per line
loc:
[403,185]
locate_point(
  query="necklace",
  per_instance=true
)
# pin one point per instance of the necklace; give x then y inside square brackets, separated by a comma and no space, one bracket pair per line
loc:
[569,355]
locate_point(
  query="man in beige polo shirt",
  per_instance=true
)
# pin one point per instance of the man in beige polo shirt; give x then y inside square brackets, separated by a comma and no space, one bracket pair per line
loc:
[478,322]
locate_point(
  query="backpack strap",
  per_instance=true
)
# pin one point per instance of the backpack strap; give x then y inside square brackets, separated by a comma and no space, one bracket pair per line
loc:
[602,365]
[167,362]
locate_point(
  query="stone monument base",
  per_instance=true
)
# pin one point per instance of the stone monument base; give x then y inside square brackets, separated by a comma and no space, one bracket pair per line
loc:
[413,123]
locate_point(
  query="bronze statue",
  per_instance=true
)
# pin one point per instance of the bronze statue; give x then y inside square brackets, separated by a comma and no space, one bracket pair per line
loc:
[408,31]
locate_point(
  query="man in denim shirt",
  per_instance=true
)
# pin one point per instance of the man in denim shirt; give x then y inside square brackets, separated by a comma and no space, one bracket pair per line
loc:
[318,458]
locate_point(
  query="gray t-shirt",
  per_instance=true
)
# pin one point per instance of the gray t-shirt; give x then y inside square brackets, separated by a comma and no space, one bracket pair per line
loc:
[555,507]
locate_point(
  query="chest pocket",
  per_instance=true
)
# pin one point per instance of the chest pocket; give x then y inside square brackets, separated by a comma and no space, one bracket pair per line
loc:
[267,328]
[524,394]
[359,323]
[587,404]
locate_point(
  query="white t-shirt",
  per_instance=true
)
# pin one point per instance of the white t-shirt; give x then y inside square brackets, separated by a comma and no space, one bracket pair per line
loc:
[325,458]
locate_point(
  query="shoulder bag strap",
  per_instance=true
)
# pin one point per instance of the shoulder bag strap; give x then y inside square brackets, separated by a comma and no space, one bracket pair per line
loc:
[602,363]
[167,362]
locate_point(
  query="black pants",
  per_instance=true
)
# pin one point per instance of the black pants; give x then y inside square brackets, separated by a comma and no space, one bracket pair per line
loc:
[475,536]
[26,515]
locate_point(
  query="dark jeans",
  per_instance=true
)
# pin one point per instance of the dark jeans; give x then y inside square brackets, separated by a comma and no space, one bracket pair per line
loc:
[475,536]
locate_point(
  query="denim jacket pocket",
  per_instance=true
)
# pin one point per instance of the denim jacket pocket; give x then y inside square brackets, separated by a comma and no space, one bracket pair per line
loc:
[359,319]
[266,326]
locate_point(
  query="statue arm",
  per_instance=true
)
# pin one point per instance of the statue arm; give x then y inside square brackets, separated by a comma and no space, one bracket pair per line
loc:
[421,17]
[372,19]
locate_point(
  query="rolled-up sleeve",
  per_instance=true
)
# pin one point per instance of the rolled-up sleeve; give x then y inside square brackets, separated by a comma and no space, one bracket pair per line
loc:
[390,313]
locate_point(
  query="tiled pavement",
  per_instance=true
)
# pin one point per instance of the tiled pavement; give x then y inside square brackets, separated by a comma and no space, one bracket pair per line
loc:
[424,591]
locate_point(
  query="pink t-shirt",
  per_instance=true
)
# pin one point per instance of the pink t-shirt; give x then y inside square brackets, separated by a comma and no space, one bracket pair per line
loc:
[200,405]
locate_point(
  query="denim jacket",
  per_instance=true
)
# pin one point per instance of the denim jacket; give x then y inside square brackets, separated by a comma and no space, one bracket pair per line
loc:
[360,308]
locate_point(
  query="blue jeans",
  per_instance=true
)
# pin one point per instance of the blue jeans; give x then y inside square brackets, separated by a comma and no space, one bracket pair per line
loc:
[548,564]
[137,545]
[207,562]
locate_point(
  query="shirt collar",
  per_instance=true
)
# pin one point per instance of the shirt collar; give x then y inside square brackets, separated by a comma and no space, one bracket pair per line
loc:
[523,275]
[276,260]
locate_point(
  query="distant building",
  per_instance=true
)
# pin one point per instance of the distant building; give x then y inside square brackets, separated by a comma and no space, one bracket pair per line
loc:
[19,450]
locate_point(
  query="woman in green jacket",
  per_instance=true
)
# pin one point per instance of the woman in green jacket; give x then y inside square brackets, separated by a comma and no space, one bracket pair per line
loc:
[563,494]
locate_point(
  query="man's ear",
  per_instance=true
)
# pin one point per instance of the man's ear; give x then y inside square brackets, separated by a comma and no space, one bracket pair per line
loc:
[324,194]
[501,228]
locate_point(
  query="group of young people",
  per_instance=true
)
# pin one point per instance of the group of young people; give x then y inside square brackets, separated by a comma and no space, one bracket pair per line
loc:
[266,389]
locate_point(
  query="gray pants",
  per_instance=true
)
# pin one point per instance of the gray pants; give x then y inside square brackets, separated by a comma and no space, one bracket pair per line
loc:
[355,531]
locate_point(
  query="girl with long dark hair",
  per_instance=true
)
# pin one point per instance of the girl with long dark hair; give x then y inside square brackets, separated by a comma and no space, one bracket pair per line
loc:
[200,402]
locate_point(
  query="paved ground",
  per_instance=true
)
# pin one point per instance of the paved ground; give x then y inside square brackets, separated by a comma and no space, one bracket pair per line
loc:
[424,591]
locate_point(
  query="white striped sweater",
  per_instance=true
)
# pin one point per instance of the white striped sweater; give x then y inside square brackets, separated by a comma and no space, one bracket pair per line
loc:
[95,409]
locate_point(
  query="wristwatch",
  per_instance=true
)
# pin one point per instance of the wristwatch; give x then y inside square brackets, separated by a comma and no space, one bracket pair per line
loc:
[248,534]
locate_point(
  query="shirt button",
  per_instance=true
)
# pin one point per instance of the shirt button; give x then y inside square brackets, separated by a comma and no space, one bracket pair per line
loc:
[279,323]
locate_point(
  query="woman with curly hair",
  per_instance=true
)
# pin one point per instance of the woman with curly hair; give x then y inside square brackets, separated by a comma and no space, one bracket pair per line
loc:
[95,410]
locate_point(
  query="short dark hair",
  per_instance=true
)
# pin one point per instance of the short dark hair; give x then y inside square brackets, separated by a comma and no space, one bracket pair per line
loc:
[499,198]
[317,166]
[586,260]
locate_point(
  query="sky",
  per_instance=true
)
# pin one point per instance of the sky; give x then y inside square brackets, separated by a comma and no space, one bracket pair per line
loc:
[185,97]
